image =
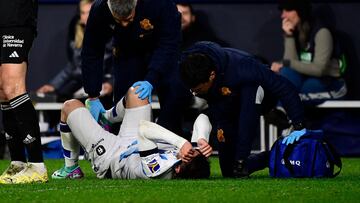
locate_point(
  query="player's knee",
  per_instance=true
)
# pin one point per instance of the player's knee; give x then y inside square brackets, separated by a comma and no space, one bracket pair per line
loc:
[71,105]
[133,100]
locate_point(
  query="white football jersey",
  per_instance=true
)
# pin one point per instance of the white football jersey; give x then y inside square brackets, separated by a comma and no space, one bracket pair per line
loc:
[132,166]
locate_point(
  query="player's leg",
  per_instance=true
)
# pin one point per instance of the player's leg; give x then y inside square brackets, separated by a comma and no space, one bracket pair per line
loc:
[99,144]
[116,114]
[14,143]
[71,147]
[18,159]
[21,113]
[135,111]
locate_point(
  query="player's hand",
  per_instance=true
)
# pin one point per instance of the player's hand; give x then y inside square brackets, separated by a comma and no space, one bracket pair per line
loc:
[144,90]
[276,66]
[95,107]
[186,152]
[294,136]
[46,88]
[288,27]
[204,147]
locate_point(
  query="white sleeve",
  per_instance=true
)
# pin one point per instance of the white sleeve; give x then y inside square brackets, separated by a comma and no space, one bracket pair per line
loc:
[202,128]
[151,133]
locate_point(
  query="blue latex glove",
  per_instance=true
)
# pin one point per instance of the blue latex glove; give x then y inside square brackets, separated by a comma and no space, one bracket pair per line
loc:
[145,89]
[95,107]
[294,136]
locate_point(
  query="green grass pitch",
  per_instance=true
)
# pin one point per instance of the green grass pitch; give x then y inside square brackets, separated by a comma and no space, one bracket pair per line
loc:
[259,188]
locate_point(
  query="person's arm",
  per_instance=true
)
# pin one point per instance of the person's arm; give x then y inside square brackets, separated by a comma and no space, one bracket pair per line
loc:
[253,72]
[290,52]
[107,86]
[321,58]
[97,33]
[201,133]
[165,55]
[151,133]
[108,63]
[155,133]
[201,129]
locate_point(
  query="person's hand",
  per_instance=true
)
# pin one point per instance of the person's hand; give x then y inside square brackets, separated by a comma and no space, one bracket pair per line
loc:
[107,88]
[288,27]
[276,66]
[294,136]
[186,152]
[144,90]
[95,107]
[46,89]
[204,147]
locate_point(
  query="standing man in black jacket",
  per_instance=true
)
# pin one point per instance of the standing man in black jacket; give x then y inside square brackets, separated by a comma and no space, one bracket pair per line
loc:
[146,37]
[18,20]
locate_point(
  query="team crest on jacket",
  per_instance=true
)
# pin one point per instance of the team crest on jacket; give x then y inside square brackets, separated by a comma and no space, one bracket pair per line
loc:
[225,91]
[146,24]
[220,135]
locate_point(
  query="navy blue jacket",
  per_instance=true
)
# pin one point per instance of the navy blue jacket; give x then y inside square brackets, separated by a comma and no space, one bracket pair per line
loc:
[160,42]
[235,68]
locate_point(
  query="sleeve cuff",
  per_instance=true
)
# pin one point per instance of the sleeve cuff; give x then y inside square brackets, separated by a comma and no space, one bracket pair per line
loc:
[298,126]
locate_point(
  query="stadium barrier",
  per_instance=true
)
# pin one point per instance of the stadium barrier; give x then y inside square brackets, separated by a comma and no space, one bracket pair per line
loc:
[272,130]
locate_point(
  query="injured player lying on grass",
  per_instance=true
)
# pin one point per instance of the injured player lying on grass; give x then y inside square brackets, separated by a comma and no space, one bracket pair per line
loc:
[141,150]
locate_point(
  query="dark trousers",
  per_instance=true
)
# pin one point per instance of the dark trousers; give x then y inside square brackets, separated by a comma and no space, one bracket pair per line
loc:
[238,118]
[173,96]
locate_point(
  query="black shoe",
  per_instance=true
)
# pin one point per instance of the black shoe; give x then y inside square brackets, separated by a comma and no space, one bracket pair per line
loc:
[240,169]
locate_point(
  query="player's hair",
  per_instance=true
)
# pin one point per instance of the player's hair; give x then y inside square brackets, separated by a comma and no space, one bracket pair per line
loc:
[196,69]
[197,168]
[122,8]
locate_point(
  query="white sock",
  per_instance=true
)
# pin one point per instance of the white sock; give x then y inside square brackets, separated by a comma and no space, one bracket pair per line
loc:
[116,113]
[70,146]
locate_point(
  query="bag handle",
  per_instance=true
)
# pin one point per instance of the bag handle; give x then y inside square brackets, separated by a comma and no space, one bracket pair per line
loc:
[333,156]
[288,150]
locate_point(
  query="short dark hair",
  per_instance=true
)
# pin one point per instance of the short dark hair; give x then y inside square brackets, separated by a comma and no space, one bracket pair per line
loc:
[197,168]
[196,69]
[187,5]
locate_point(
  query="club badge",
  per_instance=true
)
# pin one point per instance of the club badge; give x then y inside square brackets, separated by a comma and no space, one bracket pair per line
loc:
[146,24]
[220,135]
[225,91]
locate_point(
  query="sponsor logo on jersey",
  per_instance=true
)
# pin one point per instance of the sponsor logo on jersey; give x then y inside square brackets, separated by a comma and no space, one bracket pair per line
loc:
[153,165]
[100,150]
